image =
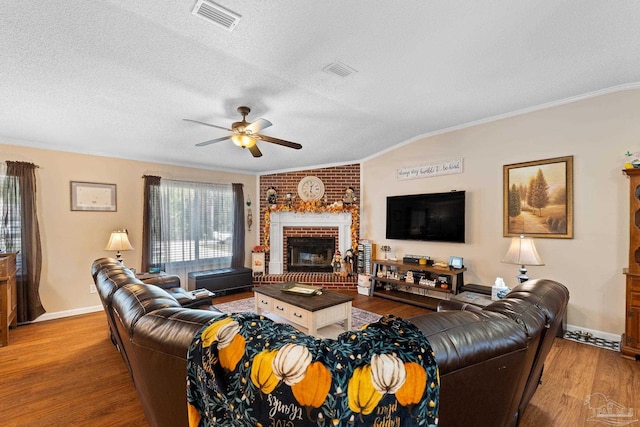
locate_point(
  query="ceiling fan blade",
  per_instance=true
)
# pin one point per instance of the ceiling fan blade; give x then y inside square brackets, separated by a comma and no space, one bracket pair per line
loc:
[255,151]
[282,142]
[207,124]
[212,141]
[258,125]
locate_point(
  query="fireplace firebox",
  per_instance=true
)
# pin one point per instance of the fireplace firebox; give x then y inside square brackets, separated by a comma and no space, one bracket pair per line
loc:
[310,254]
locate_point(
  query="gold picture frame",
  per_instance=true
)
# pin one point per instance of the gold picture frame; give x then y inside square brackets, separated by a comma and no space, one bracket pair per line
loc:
[93,197]
[538,198]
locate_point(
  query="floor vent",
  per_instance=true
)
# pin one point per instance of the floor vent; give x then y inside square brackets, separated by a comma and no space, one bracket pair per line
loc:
[216,14]
[339,69]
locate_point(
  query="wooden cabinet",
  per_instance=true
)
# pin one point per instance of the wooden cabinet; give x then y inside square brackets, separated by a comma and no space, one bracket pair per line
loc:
[8,296]
[389,281]
[631,337]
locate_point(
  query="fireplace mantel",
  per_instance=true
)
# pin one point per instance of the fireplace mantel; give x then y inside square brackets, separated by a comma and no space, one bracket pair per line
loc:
[279,220]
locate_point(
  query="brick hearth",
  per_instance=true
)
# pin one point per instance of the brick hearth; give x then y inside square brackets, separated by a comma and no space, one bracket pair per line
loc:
[326,280]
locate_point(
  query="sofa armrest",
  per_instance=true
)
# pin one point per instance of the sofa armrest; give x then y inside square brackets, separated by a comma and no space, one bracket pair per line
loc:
[453,305]
[164,282]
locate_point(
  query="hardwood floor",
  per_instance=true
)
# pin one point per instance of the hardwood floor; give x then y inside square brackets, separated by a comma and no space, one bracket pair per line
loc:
[66,372]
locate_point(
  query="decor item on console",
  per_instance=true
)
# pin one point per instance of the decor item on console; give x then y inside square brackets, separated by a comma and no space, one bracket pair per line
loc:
[119,241]
[386,249]
[522,251]
[314,207]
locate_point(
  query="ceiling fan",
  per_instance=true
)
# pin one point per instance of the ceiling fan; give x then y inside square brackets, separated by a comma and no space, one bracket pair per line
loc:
[245,134]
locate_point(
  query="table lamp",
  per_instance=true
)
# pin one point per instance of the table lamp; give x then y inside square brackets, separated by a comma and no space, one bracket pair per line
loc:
[119,241]
[522,252]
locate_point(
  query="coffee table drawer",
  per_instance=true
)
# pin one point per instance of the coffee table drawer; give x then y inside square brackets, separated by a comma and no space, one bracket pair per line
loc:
[280,308]
[263,302]
[299,316]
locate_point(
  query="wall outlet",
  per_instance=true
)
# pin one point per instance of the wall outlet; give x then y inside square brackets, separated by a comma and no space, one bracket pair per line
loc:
[92,289]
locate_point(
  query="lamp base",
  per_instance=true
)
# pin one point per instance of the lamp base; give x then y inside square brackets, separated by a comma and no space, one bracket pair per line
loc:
[522,277]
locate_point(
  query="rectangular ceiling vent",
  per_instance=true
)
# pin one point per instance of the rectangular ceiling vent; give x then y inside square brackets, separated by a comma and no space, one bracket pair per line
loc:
[217,14]
[340,69]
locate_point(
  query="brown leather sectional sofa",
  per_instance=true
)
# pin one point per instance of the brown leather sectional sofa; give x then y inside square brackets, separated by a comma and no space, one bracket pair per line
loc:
[490,360]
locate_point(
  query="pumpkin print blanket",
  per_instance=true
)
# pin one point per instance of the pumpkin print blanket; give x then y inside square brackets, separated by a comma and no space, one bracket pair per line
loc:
[245,370]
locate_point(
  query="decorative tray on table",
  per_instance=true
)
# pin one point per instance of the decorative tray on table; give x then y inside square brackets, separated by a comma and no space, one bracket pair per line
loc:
[301,289]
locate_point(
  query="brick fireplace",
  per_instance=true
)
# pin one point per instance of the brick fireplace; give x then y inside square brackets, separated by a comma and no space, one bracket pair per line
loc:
[336,180]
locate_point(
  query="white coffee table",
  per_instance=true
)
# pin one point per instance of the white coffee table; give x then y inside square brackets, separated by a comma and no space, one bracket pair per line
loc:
[308,312]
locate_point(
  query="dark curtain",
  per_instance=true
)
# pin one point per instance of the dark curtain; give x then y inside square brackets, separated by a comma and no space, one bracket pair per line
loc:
[151,224]
[19,194]
[237,258]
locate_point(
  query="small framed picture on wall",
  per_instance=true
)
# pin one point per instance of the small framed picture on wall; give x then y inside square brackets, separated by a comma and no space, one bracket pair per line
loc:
[93,196]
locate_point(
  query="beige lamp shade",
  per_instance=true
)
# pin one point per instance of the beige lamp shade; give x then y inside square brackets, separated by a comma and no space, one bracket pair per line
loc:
[522,251]
[119,241]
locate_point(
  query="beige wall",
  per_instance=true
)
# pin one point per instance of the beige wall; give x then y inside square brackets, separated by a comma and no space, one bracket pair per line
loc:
[596,131]
[72,240]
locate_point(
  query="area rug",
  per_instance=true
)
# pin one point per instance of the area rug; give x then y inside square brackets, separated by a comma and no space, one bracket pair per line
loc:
[359,317]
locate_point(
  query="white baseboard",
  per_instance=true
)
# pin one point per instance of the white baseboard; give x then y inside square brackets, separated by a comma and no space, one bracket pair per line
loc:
[596,334]
[68,313]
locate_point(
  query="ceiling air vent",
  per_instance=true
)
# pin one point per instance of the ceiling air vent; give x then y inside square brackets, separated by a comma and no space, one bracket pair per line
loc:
[339,69]
[216,14]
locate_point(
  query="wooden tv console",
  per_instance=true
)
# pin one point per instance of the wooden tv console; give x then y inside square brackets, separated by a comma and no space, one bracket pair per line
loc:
[386,285]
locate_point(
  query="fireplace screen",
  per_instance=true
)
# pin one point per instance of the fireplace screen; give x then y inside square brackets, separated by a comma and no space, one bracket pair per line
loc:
[310,254]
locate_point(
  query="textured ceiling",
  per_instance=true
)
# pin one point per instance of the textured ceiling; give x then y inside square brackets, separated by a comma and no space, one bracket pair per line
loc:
[117,77]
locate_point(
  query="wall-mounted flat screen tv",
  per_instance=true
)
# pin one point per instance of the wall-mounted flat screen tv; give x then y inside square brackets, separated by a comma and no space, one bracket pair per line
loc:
[436,217]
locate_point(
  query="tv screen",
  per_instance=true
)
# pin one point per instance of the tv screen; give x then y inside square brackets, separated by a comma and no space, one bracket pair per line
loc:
[436,217]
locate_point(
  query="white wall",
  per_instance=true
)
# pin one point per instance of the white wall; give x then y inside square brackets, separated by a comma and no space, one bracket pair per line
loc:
[72,240]
[596,132]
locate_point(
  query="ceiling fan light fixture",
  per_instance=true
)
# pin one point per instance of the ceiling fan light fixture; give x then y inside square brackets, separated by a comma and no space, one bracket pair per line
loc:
[244,141]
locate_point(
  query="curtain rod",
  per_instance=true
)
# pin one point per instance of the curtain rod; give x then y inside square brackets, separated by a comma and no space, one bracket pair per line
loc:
[193,182]
[17,161]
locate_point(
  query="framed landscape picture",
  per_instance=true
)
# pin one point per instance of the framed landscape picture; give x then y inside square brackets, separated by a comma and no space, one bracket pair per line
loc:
[538,198]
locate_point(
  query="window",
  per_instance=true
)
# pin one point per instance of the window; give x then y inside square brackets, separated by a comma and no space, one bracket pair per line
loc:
[197,226]
[10,236]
